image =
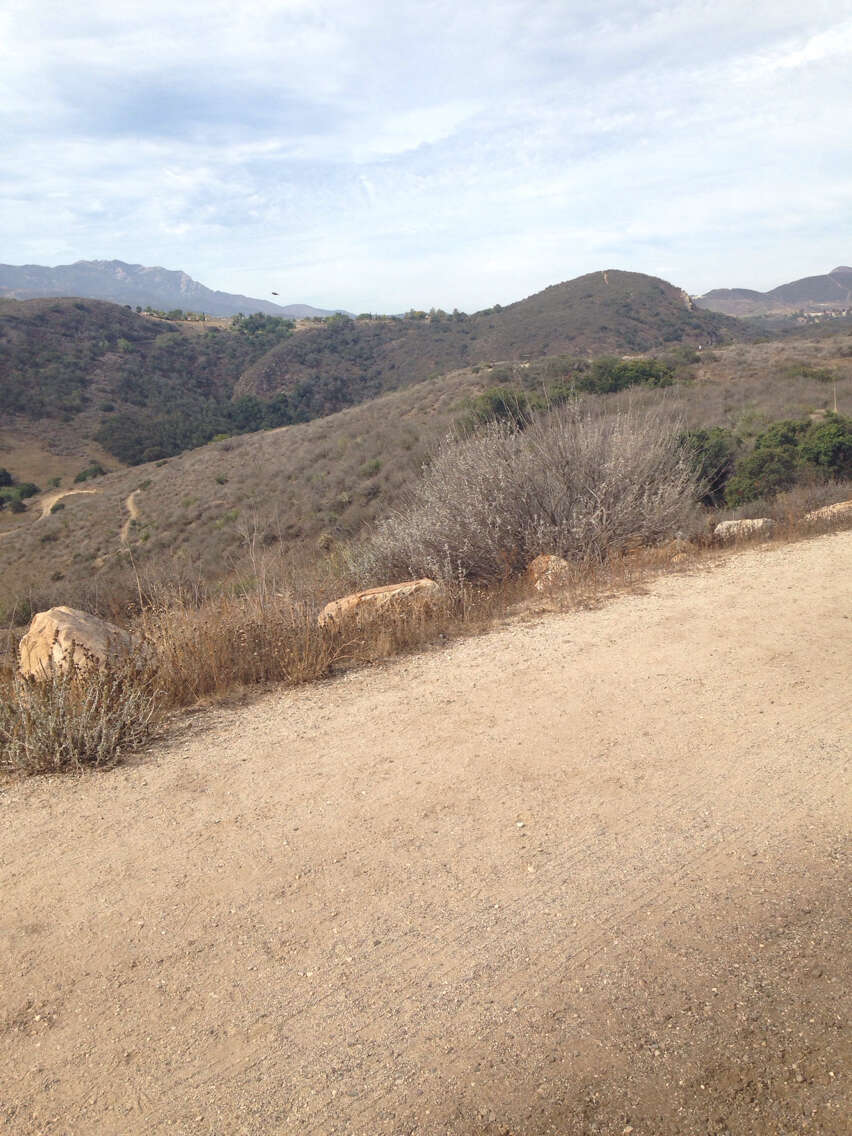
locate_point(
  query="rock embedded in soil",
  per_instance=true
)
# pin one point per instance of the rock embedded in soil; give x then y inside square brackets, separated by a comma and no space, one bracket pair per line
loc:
[840,509]
[370,602]
[730,530]
[63,637]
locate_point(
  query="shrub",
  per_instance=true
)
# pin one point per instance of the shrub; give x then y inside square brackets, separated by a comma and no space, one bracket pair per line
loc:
[73,719]
[570,483]
[827,446]
[93,470]
[788,452]
[766,471]
[713,453]
[611,374]
[502,404]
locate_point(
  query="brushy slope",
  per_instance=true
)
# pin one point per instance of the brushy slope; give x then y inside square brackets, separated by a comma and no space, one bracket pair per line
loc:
[595,314]
[147,389]
[315,484]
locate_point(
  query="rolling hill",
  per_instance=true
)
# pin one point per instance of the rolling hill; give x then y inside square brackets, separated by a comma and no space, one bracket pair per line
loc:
[599,313]
[199,515]
[832,291]
[146,389]
[135,284]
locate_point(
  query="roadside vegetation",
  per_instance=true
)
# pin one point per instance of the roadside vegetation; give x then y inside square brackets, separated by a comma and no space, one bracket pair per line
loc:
[617,494]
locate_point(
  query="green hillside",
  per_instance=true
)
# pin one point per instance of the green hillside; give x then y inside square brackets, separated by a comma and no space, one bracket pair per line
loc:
[601,313]
[146,389]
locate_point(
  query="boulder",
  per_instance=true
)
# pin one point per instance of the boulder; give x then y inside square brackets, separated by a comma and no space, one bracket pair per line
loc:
[63,636]
[730,530]
[368,603]
[548,571]
[827,512]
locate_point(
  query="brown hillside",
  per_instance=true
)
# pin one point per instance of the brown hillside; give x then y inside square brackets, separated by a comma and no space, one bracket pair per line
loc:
[324,480]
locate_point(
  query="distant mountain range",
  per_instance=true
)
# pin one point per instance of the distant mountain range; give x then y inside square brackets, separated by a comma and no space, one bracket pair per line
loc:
[833,291]
[134,284]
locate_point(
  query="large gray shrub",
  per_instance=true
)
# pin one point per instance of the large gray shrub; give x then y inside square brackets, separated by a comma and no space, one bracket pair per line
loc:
[575,483]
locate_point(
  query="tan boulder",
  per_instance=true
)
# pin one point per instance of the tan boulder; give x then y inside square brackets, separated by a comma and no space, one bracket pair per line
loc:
[826,513]
[730,530]
[64,636]
[548,571]
[368,603]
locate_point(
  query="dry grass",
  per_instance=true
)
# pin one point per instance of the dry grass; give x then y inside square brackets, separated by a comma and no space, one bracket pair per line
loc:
[314,484]
[209,647]
[73,719]
[233,643]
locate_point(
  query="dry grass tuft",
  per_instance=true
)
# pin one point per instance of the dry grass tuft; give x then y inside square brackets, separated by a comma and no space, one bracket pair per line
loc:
[74,719]
[234,643]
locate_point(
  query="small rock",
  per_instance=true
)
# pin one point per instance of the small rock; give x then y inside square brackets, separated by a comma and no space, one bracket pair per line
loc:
[548,572]
[730,530]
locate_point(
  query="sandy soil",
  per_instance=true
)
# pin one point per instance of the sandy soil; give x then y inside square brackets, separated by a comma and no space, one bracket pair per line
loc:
[584,874]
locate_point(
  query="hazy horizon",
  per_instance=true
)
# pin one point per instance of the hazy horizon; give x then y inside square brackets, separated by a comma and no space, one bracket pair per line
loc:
[380,157]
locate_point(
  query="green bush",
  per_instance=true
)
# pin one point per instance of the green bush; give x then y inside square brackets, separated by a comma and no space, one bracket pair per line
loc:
[789,451]
[501,404]
[765,472]
[93,470]
[713,453]
[827,446]
[610,374]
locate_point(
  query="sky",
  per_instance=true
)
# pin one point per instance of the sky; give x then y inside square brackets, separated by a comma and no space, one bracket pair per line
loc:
[379,156]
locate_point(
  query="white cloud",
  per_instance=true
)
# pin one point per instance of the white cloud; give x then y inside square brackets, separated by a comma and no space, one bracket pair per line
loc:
[383,155]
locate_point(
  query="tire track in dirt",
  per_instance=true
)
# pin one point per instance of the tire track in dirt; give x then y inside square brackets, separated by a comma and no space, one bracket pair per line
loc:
[643,892]
[643,793]
[399,967]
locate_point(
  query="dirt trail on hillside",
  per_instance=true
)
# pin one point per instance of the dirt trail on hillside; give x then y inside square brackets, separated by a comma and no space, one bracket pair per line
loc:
[50,499]
[132,515]
[583,874]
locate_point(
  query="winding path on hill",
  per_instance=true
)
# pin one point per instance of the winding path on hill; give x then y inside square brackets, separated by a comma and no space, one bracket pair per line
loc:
[584,874]
[46,503]
[50,499]
[132,515]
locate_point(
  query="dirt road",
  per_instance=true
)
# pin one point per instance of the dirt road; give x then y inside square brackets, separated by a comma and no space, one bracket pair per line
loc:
[584,874]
